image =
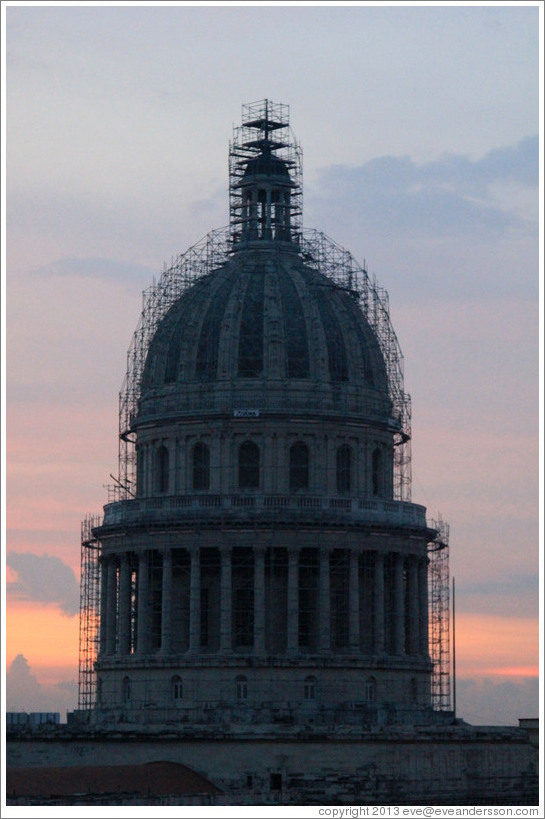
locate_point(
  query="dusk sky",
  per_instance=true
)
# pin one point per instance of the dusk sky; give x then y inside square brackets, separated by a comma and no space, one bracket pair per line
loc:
[420,132]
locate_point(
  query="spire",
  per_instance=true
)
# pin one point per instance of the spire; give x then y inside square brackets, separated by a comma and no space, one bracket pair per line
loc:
[264,177]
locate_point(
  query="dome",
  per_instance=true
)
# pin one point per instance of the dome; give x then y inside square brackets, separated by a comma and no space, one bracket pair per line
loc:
[265,329]
[266,164]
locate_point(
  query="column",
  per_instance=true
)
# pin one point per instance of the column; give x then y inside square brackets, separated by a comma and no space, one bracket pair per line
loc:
[166,603]
[413,606]
[354,602]
[293,600]
[226,599]
[399,604]
[259,599]
[111,616]
[195,601]
[423,595]
[103,602]
[124,624]
[324,603]
[379,604]
[142,604]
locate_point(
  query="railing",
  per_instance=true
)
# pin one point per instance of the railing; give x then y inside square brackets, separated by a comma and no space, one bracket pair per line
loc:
[160,509]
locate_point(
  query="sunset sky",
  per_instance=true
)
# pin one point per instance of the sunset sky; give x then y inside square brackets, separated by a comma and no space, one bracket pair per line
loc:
[420,132]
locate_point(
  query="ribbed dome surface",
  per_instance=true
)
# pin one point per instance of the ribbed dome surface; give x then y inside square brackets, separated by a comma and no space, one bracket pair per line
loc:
[268,319]
[267,164]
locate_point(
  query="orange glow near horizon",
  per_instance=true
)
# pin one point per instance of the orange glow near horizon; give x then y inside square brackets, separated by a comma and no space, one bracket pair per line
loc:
[490,645]
[486,645]
[42,634]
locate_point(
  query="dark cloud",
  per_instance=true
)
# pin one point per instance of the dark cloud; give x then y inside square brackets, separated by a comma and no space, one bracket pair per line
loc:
[518,595]
[452,196]
[44,579]
[24,692]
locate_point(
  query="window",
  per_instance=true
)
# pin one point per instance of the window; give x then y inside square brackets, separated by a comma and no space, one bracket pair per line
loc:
[344,470]
[126,689]
[370,690]
[376,467]
[298,466]
[414,691]
[276,782]
[241,688]
[248,466]
[177,688]
[310,688]
[201,466]
[162,469]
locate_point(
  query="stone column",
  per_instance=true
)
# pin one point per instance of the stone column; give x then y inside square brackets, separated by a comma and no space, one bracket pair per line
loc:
[142,620]
[166,603]
[413,606]
[293,600]
[423,595]
[379,604]
[354,601]
[103,602]
[324,602]
[226,600]
[171,448]
[259,599]
[124,645]
[399,604]
[111,616]
[195,601]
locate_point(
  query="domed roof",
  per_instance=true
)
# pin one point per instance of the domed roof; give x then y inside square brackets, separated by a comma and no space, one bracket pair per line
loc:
[265,329]
[266,164]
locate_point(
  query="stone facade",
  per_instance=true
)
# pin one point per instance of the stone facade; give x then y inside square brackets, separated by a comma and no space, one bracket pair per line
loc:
[449,765]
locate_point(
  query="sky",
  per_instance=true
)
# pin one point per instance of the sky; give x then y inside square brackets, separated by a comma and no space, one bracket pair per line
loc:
[420,134]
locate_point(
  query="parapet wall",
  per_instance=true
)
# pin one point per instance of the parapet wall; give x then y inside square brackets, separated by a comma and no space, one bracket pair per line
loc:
[447,765]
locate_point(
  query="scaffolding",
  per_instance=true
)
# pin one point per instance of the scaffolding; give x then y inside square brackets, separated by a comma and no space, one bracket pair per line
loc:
[439,609]
[317,251]
[89,620]
[259,121]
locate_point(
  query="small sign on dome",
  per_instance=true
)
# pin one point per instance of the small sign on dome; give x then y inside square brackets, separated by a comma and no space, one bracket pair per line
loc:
[246,413]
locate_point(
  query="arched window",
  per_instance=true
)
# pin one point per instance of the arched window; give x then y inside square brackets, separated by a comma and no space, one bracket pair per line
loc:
[201,466]
[344,470]
[241,688]
[370,690]
[248,465]
[177,688]
[126,689]
[310,688]
[376,468]
[162,469]
[299,466]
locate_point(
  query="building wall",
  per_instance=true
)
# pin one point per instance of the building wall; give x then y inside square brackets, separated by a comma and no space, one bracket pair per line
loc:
[477,766]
